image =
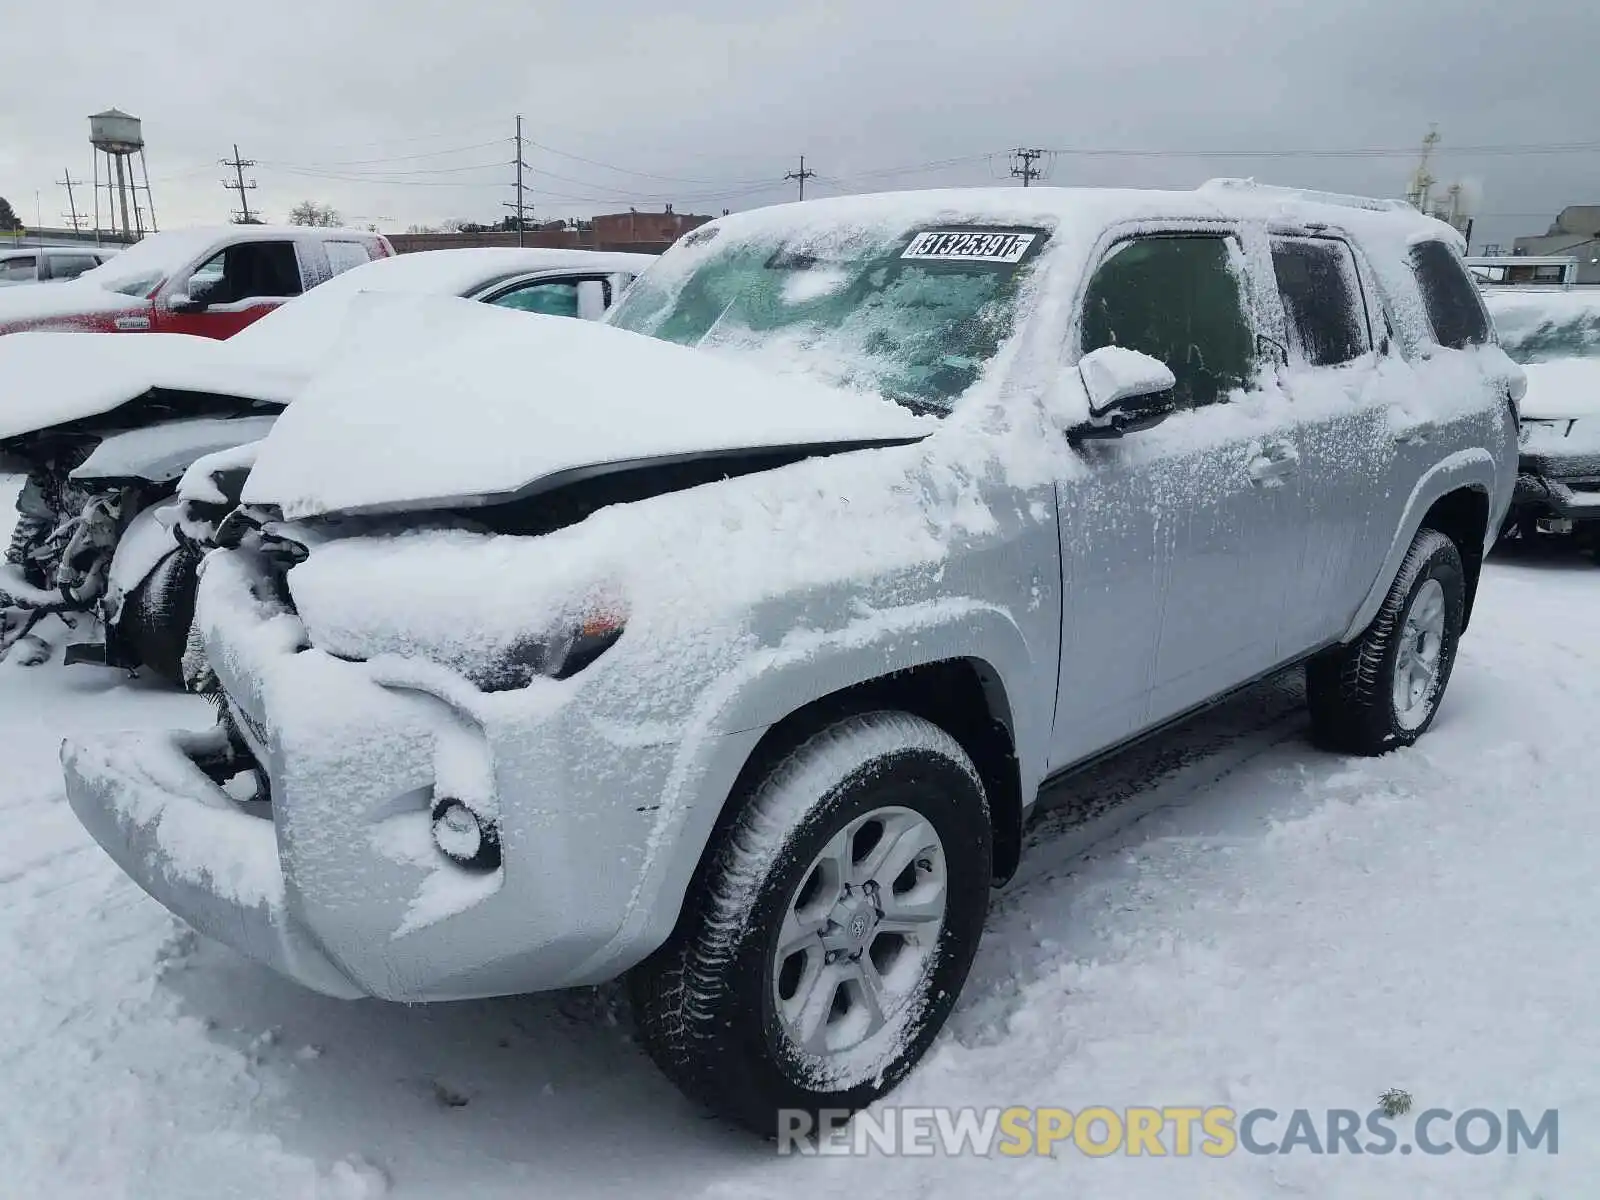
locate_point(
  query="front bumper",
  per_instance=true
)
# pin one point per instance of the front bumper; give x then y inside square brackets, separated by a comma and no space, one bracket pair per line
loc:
[1559,487]
[184,840]
[347,892]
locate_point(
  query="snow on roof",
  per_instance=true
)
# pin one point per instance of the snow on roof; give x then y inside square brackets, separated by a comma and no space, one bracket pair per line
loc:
[1054,207]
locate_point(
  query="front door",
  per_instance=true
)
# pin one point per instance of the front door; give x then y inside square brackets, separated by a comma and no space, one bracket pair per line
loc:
[235,287]
[1178,541]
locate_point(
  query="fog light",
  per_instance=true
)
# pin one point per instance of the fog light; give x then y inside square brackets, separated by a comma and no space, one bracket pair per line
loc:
[463,837]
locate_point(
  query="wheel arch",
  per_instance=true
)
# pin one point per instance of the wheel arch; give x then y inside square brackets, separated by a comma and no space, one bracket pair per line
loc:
[965,696]
[1456,493]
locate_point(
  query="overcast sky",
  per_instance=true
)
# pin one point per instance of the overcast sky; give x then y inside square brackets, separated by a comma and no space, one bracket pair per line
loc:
[402,112]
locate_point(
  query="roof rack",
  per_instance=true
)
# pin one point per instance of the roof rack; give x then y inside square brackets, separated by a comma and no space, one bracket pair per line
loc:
[1315,197]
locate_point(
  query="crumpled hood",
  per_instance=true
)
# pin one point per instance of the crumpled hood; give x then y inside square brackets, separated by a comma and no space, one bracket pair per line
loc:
[49,379]
[501,404]
[1562,389]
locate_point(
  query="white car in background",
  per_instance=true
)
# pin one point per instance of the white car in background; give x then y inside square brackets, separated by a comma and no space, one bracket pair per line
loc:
[1556,336]
[47,264]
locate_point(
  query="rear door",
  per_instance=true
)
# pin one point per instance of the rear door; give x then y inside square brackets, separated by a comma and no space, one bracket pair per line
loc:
[237,285]
[1336,339]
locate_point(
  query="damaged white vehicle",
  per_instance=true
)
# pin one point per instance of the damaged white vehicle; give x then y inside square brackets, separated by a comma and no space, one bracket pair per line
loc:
[739,668]
[107,423]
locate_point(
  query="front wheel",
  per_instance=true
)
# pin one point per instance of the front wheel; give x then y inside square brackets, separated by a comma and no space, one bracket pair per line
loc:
[832,928]
[1381,691]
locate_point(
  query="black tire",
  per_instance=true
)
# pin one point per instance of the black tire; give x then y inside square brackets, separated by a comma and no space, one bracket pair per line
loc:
[1350,688]
[705,1002]
[153,628]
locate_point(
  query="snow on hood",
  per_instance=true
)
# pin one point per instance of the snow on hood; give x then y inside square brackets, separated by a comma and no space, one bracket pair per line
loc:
[50,378]
[65,298]
[501,400]
[1539,326]
[1562,389]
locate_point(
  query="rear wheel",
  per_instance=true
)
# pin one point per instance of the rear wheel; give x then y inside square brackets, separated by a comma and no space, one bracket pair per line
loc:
[1382,690]
[834,925]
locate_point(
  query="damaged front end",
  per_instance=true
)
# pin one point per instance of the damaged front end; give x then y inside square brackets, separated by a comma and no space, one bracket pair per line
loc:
[92,486]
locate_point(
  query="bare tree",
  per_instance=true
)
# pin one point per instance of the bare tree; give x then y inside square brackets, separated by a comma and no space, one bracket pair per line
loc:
[309,212]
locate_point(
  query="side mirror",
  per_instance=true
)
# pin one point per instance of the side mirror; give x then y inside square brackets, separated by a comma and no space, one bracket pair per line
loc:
[182,302]
[1127,391]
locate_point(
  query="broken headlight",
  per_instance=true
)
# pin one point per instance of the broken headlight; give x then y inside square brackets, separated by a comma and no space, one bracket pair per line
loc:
[560,654]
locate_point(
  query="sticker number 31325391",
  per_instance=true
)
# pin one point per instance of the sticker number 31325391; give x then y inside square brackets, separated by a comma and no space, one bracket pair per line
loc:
[968,246]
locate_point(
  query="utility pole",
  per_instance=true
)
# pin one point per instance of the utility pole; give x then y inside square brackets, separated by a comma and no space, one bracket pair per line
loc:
[519,207]
[1025,170]
[68,182]
[239,164]
[802,175]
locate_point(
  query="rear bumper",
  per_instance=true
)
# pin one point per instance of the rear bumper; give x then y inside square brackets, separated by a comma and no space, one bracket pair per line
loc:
[185,842]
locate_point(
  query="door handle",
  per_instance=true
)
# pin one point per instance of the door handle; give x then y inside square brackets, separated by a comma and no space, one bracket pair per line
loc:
[1270,465]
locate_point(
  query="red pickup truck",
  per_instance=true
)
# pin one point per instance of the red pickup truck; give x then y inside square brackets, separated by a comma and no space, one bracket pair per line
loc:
[210,282]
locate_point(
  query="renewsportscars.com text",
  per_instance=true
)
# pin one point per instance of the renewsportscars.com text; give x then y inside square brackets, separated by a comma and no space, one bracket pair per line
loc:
[1179,1131]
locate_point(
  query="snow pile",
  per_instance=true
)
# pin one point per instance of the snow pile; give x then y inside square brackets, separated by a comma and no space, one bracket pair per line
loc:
[505,398]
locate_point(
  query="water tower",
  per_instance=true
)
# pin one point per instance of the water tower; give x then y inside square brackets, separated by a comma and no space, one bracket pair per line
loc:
[118,138]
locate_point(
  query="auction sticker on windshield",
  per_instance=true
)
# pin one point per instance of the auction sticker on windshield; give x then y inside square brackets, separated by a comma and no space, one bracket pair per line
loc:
[966,245]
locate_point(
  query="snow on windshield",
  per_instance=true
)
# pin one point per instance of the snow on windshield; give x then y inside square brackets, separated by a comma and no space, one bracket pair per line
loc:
[912,313]
[1537,327]
[139,269]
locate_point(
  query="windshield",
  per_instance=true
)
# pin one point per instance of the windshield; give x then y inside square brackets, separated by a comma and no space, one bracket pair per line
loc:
[912,313]
[1573,337]
[141,268]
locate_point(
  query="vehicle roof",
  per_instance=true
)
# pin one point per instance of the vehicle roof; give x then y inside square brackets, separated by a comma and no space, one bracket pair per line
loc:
[460,270]
[1092,209]
[19,251]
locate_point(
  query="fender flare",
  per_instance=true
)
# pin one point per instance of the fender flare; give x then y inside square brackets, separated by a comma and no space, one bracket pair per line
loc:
[807,665]
[1471,469]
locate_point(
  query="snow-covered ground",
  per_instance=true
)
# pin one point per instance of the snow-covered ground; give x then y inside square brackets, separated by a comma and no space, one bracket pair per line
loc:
[1281,928]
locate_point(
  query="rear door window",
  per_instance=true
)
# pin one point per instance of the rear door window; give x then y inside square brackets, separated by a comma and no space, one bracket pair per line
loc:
[342,256]
[1177,298]
[1451,298]
[1321,291]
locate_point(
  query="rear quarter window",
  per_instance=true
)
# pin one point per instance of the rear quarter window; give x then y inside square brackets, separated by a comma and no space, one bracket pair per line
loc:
[342,256]
[1455,310]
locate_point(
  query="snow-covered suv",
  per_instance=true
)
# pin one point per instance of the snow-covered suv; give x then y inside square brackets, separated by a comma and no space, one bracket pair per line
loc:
[738,668]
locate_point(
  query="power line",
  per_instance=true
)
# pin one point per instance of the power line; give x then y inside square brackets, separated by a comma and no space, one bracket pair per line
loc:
[1024,168]
[239,164]
[68,182]
[366,162]
[802,175]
